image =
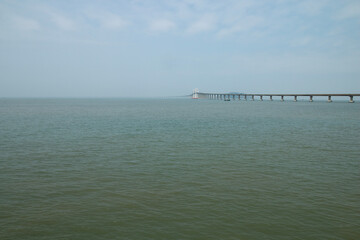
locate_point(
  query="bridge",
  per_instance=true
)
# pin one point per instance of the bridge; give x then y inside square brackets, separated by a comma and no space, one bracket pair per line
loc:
[245,96]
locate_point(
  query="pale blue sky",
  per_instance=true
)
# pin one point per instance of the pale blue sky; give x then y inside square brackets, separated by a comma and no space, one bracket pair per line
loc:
[167,48]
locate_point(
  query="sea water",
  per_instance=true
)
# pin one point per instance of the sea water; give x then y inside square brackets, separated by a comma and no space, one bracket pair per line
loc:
[179,169]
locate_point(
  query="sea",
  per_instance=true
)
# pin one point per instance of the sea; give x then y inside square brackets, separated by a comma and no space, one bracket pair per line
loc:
[178,168]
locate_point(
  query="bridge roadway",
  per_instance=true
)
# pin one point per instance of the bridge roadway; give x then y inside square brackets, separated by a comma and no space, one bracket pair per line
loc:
[227,96]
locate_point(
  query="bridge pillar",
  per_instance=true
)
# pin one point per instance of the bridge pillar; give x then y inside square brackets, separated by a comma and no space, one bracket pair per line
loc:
[245,97]
[252,97]
[311,98]
[329,99]
[271,98]
[282,98]
[234,97]
[295,98]
[195,94]
[239,97]
[351,99]
[261,98]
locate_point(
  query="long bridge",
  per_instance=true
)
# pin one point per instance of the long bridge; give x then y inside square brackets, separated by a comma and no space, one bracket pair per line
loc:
[227,96]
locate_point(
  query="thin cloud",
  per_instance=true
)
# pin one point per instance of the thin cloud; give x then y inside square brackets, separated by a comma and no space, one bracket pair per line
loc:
[114,22]
[311,7]
[206,23]
[109,20]
[57,17]
[302,41]
[63,22]
[350,11]
[245,24]
[161,25]
[26,24]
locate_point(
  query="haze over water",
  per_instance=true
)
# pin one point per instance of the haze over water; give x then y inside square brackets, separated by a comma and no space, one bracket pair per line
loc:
[178,169]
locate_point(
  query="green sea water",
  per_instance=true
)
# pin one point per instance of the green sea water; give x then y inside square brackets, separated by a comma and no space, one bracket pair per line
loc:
[179,169]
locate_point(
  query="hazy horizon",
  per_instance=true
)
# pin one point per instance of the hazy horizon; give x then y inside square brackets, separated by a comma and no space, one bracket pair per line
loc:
[97,49]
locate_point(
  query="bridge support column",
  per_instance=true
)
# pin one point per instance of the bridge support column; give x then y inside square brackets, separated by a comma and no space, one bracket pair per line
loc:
[351,99]
[295,98]
[239,97]
[329,99]
[271,98]
[261,98]
[252,97]
[311,98]
[282,98]
[234,97]
[245,97]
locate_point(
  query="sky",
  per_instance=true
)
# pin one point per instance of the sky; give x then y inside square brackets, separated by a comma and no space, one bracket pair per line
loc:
[167,48]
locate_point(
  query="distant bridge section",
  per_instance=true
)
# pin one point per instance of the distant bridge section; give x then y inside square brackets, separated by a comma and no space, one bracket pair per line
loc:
[246,96]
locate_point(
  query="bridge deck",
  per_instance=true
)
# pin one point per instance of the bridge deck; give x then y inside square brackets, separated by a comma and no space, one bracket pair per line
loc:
[287,95]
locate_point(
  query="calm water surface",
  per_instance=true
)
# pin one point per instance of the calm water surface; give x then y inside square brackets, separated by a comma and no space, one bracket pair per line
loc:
[178,169]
